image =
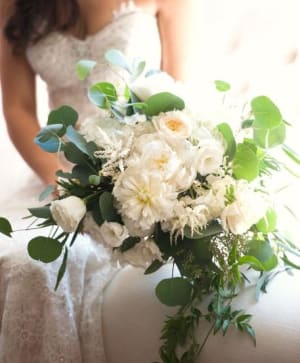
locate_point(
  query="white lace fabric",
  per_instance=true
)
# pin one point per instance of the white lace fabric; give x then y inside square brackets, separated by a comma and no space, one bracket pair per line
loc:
[37,324]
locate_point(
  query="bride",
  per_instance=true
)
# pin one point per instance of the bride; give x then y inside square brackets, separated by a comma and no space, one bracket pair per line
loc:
[37,324]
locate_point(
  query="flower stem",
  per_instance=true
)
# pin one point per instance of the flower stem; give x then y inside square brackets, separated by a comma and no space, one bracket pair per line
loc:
[205,339]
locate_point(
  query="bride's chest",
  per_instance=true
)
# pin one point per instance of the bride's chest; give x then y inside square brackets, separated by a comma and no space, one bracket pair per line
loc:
[55,56]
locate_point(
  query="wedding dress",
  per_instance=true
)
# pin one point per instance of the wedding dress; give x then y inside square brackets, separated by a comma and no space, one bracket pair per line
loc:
[39,325]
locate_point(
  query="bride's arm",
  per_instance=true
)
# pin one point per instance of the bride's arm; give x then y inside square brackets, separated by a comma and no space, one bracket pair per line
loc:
[178,27]
[19,108]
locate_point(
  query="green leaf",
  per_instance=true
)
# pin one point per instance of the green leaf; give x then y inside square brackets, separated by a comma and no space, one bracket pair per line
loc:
[76,156]
[212,229]
[245,163]
[44,249]
[84,68]
[268,126]
[5,227]
[288,262]
[128,243]
[64,115]
[102,94]
[222,86]
[175,291]
[251,332]
[268,223]
[138,68]
[108,211]
[268,138]
[95,179]
[46,193]
[82,173]
[262,250]
[163,102]
[62,269]
[77,139]
[41,212]
[291,154]
[251,261]
[266,113]
[156,265]
[117,58]
[48,138]
[247,124]
[227,133]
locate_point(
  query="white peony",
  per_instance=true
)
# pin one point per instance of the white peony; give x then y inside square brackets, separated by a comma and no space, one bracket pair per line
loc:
[247,209]
[144,197]
[142,254]
[68,212]
[173,124]
[134,228]
[145,87]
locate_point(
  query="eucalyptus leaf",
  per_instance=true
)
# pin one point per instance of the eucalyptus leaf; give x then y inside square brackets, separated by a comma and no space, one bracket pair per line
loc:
[5,227]
[155,265]
[175,291]
[64,115]
[102,94]
[222,86]
[212,229]
[291,154]
[117,58]
[94,179]
[163,102]
[269,138]
[44,249]
[138,68]
[84,68]
[128,243]
[266,113]
[108,211]
[268,223]
[47,192]
[77,139]
[246,163]
[48,138]
[227,133]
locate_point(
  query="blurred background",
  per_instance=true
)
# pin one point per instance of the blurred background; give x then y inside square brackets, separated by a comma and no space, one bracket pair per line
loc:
[252,44]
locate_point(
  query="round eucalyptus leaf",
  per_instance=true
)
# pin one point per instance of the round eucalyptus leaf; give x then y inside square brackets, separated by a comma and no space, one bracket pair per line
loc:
[268,223]
[228,136]
[175,291]
[84,68]
[245,163]
[163,102]
[262,250]
[44,249]
[266,113]
[64,115]
[222,86]
[5,227]
[268,138]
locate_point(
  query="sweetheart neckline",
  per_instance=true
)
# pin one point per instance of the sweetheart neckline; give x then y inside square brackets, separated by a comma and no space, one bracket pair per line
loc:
[116,17]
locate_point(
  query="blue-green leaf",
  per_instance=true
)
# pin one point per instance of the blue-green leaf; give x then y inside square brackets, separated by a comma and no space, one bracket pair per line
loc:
[245,163]
[41,212]
[77,139]
[84,68]
[102,94]
[62,269]
[46,193]
[117,58]
[108,211]
[268,223]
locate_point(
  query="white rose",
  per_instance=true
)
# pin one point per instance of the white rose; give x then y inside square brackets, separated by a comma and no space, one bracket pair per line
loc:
[113,234]
[68,212]
[142,254]
[145,87]
[210,158]
[134,228]
[173,124]
[246,210]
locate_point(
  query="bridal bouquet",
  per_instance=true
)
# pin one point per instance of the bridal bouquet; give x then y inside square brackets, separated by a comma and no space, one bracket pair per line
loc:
[157,184]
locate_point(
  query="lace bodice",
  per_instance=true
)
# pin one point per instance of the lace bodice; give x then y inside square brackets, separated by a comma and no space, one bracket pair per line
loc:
[132,30]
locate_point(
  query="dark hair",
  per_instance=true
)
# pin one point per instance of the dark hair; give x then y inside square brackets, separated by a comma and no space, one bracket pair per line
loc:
[31,20]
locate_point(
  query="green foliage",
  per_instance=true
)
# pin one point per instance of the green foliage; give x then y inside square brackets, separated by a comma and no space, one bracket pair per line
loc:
[227,133]
[163,102]
[155,265]
[103,94]
[268,223]
[107,208]
[5,227]
[175,291]
[222,86]
[128,243]
[212,229]
[138,68]
[117,58]
[246,163]
[62,269]
[48,138]
[64,115]
[41,212]
[84,68]
[44,249]
[78,140]
[268,127]
[46,193]
[291,154]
